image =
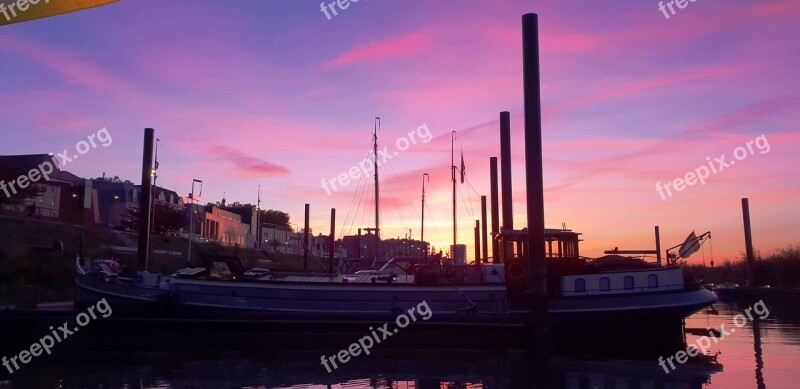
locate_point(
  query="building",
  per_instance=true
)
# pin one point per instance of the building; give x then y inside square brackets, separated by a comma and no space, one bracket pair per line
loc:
[116,199]
[65,197]
[249,216]
[392,248]
[459,253]
[278,239]
[214,224]
[368,243]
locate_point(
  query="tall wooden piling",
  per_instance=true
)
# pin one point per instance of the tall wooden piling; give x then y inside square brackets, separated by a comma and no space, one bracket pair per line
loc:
[305,240]
[748,243]
[495,208]
[332,247]
[537,280]
[144,200]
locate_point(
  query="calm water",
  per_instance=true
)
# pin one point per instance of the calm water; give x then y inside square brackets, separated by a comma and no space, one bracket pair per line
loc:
[740,363]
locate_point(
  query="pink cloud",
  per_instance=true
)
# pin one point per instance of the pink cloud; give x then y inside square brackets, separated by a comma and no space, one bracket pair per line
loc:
[643,85]
[248,165]
[412,43]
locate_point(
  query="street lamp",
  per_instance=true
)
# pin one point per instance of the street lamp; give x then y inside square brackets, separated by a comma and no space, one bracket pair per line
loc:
[191,217]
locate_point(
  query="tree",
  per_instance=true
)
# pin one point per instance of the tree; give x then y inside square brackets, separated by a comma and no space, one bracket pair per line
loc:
[111,180]
[278,218]
[165,219]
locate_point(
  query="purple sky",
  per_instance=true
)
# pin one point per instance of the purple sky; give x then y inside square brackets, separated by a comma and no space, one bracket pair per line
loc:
[273,93]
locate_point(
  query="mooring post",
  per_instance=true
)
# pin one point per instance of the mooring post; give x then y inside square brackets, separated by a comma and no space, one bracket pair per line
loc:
[537,280]
[144,200]
[305,240]
[748,243]
[359,247]
[484,243]
[505,175]
[477,241]
[333,242]
[495,208]
[658,246]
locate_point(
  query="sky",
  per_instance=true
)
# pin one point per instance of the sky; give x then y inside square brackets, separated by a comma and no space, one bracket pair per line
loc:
[276,94]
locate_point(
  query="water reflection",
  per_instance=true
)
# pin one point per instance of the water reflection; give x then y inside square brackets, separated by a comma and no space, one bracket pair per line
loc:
[395,369]
[774,342]
[758,353]
[762,351]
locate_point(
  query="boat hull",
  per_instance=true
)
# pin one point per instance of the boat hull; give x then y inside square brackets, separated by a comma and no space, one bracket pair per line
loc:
[169,297]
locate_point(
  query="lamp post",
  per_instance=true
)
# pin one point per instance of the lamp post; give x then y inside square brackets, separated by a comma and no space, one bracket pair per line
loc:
[191,217]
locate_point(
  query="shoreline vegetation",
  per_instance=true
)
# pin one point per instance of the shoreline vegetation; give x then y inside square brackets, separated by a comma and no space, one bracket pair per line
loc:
[779,268]
[38,257]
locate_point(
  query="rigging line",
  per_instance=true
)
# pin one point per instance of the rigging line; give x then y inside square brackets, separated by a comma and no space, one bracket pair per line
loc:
[355,193]
[399,183]
[411,220]
[466,205]
[350,207]
[361,190]
[414,215]
[352,211]
[363,205]
[466,179]
[368,211]
[355,207]
[395,197]
[438,234]
[397,204]
[397,177]
[488,203]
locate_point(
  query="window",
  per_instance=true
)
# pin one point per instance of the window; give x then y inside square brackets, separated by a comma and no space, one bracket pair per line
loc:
[628,281]
[652,281]
[605,284]
[580,285]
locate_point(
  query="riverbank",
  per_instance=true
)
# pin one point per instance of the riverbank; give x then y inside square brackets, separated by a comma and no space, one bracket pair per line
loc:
[38,257]
[778,269]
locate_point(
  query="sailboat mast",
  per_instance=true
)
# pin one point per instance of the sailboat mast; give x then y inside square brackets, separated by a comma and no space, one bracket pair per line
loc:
[453,176]
[377,201]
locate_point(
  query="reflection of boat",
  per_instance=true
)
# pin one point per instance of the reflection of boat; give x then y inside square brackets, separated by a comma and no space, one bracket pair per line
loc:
[386,369]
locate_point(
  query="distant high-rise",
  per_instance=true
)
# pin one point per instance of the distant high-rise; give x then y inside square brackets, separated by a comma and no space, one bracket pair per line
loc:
[459,253]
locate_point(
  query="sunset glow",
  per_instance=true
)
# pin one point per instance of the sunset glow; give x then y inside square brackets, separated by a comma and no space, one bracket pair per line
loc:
[276,94]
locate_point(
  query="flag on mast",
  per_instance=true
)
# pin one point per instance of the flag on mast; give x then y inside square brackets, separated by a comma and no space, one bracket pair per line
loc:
[462,167]
[690,246]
